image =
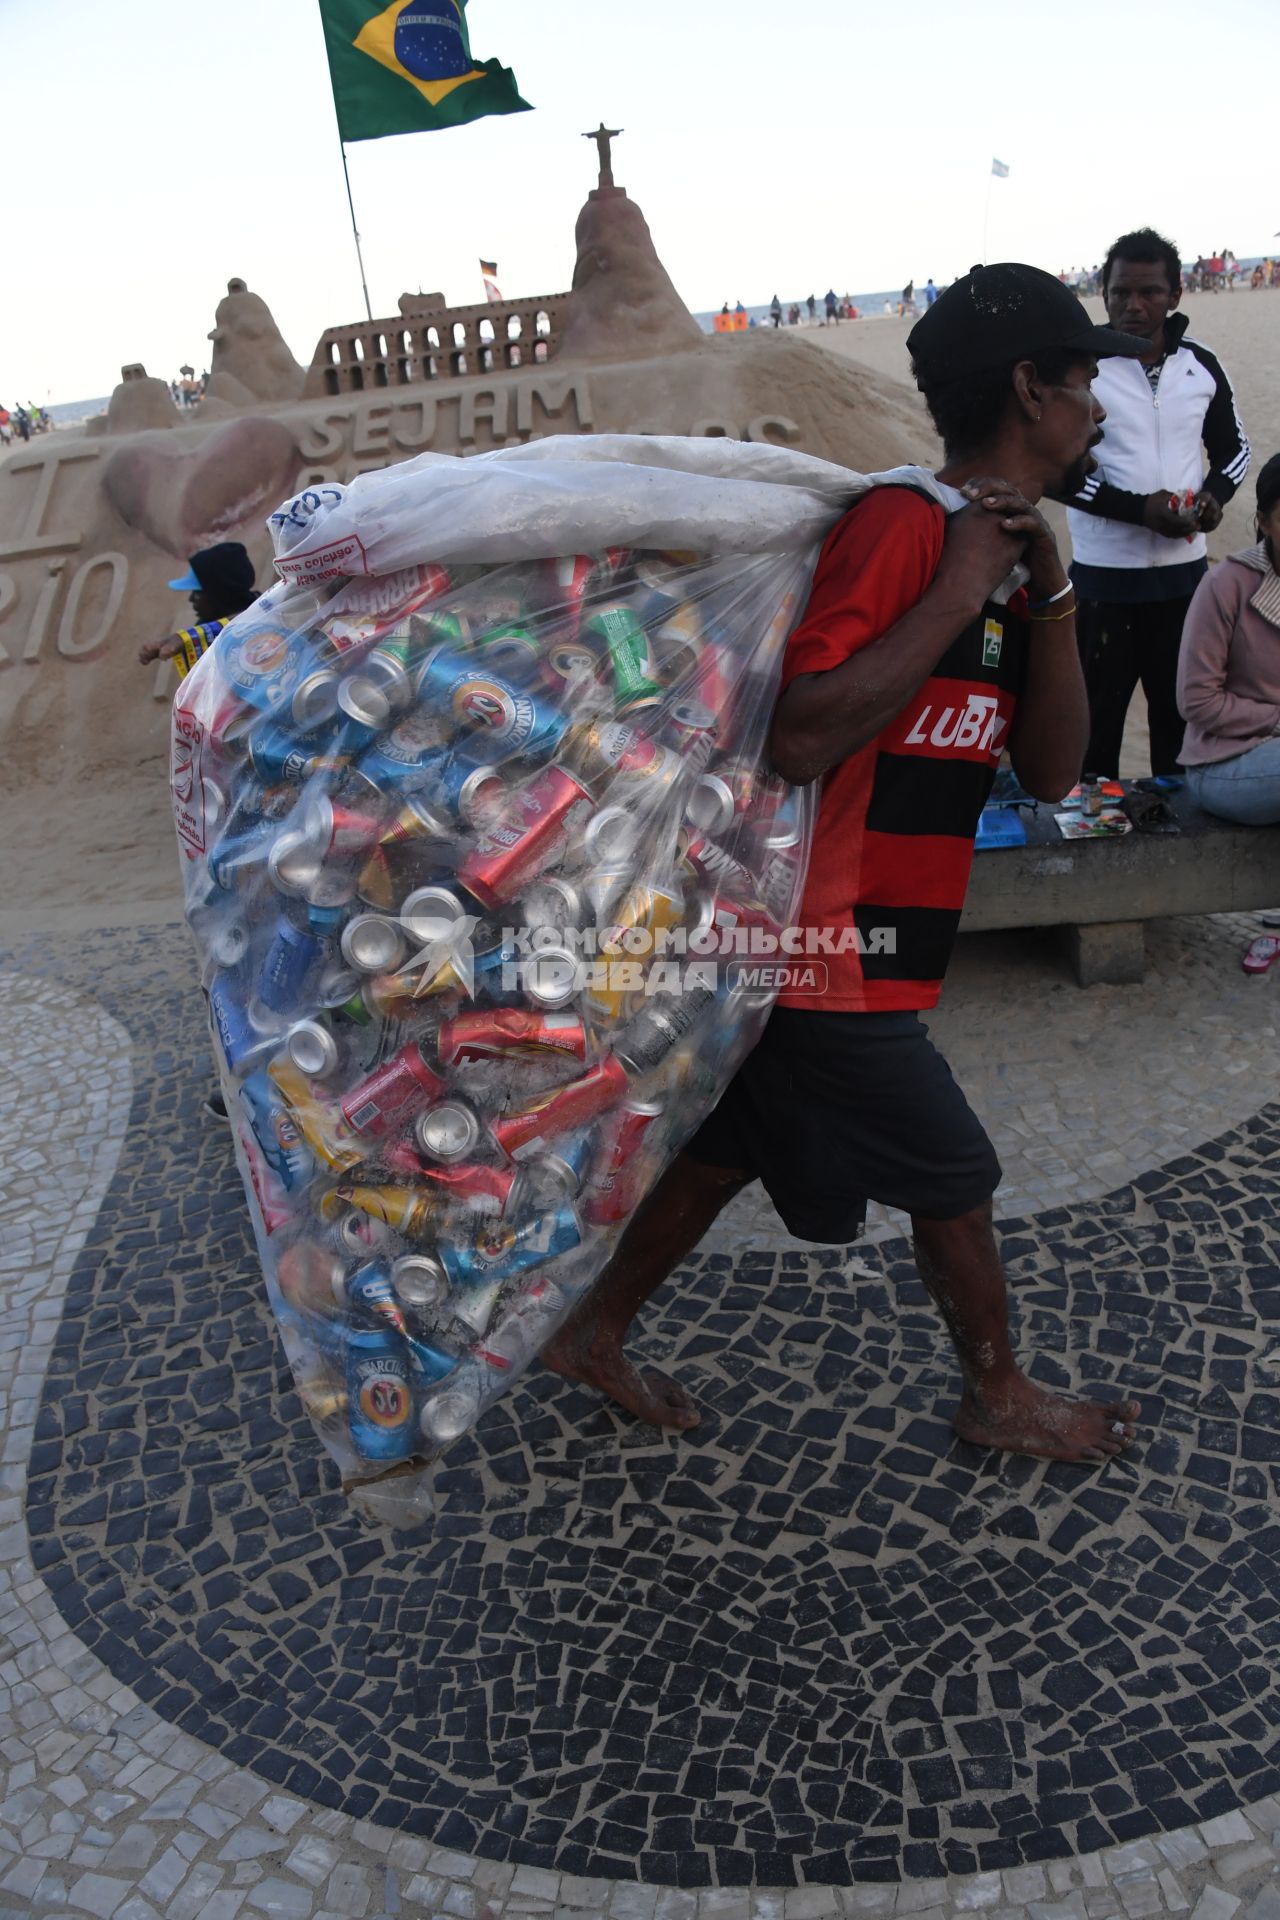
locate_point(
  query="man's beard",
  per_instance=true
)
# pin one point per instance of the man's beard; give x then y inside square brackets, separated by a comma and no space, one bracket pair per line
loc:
[1074,477]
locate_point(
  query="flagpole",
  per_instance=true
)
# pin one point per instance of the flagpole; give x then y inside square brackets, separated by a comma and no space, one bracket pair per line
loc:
[986,215]
[356,231]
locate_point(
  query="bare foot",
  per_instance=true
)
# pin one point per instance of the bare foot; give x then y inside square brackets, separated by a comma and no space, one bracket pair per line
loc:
[1023,1418]
[596,1359]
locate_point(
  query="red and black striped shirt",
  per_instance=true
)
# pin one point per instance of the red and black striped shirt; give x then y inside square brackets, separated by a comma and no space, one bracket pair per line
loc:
[893,844]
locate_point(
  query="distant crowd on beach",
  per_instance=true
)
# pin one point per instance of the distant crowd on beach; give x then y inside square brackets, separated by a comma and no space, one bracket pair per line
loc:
[1223,272]
[1217,272]
[21,422]
[834,308]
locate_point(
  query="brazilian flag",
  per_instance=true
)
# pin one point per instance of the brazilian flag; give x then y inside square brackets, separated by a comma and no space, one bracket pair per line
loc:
[407,67]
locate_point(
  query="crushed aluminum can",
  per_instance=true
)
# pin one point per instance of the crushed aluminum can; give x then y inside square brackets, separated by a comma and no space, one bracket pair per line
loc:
[335,828]
[658,1029]
[420,818]
[312,1049]
[566,1164]
[431,913]
[337,985]
[448,1131]
[448,1414]
[364,711]
[711,805]
[473,1305]
[247,1033]
[419,1282]
[551,977]
[314,699]
[229,944]
[379,1399]
[611,835]
[474,792]
[613,1187]
[551,902]
[692,730]
[372,943]
[294,863]
[521,1134]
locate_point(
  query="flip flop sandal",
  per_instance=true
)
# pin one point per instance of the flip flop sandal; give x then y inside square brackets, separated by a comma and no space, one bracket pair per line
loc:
[1261,953]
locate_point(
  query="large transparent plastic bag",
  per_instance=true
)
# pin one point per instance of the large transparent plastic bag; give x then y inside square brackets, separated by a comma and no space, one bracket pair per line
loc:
[487,874]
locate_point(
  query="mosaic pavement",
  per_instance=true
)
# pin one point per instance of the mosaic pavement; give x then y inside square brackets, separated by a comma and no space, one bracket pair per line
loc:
[820,1647]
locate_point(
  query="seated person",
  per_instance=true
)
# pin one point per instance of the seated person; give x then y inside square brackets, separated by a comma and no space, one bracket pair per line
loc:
[1229,675]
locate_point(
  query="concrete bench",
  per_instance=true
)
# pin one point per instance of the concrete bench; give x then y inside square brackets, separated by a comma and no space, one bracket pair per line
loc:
[1102,891]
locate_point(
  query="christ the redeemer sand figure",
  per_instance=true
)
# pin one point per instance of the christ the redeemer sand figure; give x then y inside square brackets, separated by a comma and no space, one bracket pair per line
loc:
[602,136]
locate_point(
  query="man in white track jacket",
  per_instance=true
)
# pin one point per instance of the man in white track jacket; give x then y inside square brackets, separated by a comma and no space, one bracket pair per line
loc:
[1138,522]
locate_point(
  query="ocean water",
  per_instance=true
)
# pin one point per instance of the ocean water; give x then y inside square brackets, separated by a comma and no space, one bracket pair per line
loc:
[69,413]
[64,413]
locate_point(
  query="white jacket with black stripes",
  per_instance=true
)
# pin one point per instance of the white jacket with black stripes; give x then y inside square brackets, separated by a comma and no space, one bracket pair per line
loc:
[1152,440]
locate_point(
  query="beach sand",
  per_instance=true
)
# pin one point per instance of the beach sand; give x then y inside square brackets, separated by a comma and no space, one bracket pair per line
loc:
[75,857]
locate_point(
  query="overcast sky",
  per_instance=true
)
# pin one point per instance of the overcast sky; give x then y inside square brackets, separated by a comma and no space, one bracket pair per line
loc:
[153,148]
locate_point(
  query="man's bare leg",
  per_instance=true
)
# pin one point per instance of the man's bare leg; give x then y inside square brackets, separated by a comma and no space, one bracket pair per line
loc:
[1000,1407]
[666,1226]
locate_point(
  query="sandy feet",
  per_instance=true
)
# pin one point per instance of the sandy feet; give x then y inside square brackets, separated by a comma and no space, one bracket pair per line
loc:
[1027,1420]
[1022,1418]
[596,1359]
[1019,1417]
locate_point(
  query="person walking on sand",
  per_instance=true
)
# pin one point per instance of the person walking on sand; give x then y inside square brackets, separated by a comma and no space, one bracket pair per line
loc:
[775,311]
[1138,522]
[939,629]
[812,305]
[832,306]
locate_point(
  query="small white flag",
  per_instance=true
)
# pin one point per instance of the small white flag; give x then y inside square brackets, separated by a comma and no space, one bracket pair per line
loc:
[1000,170]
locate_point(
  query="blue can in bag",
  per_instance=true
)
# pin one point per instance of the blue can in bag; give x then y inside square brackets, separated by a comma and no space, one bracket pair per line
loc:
[379,1402]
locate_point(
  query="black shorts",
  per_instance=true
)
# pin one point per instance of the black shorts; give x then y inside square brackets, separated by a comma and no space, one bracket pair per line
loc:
[834,1109]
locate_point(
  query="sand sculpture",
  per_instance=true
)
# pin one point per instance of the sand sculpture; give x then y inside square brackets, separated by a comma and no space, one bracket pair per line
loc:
[93,524]
[250,357]
[622,293]
[186,497]
[139,404]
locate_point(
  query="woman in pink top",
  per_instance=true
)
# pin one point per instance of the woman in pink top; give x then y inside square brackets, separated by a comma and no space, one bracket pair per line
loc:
[1229,675]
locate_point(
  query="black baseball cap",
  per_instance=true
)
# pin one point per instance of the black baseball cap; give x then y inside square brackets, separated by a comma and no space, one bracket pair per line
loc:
[1006,312]
[225,572]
